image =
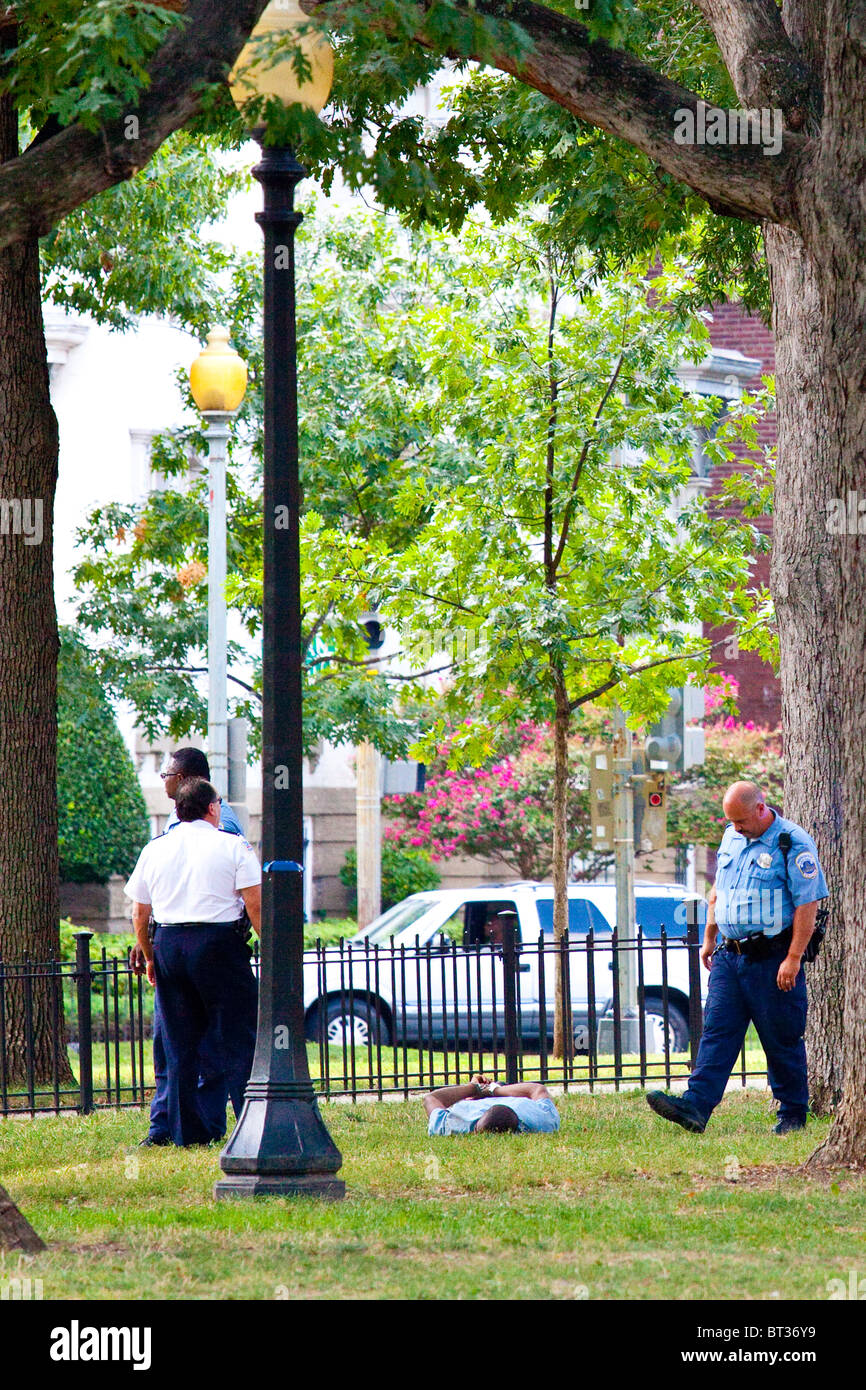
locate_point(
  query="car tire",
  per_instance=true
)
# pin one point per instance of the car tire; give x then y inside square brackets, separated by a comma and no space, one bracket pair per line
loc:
[355,1023]
[678,1027]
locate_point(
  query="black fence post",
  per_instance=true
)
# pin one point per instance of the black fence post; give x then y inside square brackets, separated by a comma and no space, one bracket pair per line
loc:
[696,1016]
[83,980]
[509,998]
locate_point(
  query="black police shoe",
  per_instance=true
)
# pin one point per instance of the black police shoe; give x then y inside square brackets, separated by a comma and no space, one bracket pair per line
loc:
[682,1112]
[786,1126]
[155,1141]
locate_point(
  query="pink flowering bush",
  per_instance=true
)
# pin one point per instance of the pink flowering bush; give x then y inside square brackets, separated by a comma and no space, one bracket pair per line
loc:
[501,812]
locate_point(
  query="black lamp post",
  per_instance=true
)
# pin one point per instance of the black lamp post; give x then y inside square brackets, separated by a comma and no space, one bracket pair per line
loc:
[281,1145]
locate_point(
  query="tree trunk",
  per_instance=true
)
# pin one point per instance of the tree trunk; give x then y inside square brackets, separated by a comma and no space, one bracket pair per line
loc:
[804,580]
[563,1029]
[819,575]
[16,1233]
[29,863]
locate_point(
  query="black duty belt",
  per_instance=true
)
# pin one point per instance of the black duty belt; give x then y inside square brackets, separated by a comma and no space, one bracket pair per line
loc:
[759,946]
[233,924]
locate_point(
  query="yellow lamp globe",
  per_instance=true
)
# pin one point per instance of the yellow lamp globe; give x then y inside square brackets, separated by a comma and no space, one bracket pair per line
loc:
[218,376]
[257,73]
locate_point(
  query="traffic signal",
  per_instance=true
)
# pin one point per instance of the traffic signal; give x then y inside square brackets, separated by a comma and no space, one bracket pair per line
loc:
[674,741]
[654,824]
[650,806]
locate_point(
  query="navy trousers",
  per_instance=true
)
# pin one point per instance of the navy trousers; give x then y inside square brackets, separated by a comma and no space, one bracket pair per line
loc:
[207,992]
[740,992]
[212,1085]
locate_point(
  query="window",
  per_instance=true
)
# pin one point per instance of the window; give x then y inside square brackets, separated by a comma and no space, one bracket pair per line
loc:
[654,913]
[582,914]
[399,919]
[484,922]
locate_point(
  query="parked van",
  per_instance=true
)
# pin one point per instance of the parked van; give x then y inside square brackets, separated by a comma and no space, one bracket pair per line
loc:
[431,968]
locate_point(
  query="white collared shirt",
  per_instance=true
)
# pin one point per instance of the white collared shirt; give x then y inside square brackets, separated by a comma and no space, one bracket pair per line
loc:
[194,874]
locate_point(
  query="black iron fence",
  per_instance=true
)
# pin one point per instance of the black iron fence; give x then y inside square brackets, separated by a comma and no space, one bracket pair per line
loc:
[390,1018]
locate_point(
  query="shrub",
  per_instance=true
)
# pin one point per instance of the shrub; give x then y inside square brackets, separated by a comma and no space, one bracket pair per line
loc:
[102,814]
[404,871]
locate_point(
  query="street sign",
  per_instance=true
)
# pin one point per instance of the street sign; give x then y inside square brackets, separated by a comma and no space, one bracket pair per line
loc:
[601,798]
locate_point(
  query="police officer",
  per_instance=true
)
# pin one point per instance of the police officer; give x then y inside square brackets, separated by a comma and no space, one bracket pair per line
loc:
[196,883]
[185,762]
[764,903]
[191,762]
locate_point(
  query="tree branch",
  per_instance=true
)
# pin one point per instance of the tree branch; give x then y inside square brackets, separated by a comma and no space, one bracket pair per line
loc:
[765,67]
[616,91]
[648,666]
[56,175]
[201,671]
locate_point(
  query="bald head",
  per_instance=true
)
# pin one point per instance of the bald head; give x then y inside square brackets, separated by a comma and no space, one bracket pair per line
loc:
[745,807]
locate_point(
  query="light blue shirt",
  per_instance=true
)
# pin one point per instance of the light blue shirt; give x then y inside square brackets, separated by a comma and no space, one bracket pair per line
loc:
[533,1116]
[755,891]
[228,820]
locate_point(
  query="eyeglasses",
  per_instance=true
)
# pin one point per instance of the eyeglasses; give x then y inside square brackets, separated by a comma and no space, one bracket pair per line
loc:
[175,773]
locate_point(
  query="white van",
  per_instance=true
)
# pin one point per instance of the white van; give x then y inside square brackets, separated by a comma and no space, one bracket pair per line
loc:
[427,972]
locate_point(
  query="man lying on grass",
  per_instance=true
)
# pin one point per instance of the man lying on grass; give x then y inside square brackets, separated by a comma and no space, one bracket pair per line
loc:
[489,1107]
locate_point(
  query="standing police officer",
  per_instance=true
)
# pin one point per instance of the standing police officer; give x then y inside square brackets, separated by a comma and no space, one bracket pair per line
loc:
[764,902]
[196,883]
[185,762]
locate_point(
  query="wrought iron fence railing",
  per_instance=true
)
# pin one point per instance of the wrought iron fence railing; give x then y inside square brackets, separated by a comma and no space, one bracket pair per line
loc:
[385,1019]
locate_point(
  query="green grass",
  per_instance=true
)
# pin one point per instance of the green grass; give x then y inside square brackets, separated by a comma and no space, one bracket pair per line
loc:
[618,1203]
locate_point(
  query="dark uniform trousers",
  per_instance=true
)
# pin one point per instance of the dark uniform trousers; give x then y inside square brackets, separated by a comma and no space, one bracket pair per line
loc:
[206,990]
[212,1087]
[743,991]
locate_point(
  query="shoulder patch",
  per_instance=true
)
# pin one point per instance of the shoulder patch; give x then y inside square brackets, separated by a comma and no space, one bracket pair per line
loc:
[807,864]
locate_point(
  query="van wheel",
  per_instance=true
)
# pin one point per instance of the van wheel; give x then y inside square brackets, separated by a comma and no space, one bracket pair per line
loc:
[678,1028]
[354,1024]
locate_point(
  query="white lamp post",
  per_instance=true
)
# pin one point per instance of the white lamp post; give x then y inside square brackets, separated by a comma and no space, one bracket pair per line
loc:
[218,379]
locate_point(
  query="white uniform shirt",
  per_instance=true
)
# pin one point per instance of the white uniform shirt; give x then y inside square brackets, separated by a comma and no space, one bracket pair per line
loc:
[194,874]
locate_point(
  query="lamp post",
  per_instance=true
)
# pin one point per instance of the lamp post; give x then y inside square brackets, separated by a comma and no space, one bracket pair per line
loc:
[218,380]
[368,804]
[281,1145]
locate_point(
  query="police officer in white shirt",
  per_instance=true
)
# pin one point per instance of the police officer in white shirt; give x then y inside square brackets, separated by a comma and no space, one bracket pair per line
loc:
[196,882]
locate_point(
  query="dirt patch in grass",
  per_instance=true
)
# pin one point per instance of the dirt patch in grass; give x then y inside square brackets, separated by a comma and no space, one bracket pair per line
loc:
[767,1175]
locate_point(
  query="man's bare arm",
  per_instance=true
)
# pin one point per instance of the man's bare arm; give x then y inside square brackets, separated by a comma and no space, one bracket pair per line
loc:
[141,922]
[532,1090]
[253,903]
[449,1095]
[802,927]
[710,929]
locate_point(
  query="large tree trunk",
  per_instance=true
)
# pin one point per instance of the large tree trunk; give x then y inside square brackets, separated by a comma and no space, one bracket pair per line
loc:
[563,1030]
[819,566]
[805,586]
[838,239]
[29,863]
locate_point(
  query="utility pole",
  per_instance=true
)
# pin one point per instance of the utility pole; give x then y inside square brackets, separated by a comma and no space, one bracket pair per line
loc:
[369,833]
[368,803]
[623,843]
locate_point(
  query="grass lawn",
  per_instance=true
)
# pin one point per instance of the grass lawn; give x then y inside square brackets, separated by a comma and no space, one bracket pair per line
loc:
[618,1205]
